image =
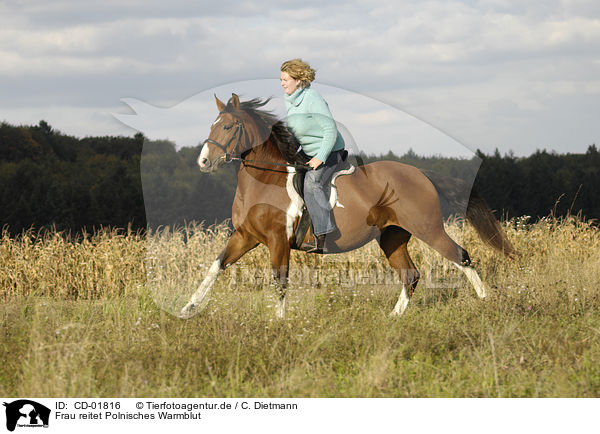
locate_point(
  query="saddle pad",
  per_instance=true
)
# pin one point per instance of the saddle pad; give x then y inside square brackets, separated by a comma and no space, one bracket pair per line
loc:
[305,223]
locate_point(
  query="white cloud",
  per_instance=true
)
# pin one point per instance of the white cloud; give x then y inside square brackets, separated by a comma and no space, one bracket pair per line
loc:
[367,124]
[449,62]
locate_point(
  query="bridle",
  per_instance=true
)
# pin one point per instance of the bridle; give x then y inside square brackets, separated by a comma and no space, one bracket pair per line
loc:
[240,131]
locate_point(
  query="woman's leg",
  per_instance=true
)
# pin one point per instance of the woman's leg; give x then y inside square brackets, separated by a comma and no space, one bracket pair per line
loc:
[316,200]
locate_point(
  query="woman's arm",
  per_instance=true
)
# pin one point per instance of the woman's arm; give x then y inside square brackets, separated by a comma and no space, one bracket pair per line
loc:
[322,115]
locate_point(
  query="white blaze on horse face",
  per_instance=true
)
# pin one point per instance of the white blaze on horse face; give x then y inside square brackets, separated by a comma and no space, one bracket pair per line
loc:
[203,157]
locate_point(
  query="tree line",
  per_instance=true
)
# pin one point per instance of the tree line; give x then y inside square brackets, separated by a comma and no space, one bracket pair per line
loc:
[49,179]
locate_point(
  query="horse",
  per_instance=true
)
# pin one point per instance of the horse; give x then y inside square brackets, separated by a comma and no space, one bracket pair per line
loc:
[383,200]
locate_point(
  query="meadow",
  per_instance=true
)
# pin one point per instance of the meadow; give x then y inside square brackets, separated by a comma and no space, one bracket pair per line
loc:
[92,316]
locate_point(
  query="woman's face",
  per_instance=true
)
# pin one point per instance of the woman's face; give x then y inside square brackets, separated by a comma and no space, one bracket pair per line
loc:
[289,84]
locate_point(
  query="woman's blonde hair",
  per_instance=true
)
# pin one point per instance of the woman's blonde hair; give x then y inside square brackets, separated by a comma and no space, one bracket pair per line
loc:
[299,70]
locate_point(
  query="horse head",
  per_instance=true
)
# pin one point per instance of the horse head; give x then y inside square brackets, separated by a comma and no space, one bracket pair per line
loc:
[230,136]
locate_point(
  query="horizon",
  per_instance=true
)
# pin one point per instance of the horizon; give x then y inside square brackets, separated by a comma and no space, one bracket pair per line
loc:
[408,152]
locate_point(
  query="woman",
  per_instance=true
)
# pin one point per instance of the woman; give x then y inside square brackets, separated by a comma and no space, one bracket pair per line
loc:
[310,120]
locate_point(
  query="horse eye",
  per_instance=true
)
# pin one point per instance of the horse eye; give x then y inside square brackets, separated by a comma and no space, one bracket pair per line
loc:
[227,127]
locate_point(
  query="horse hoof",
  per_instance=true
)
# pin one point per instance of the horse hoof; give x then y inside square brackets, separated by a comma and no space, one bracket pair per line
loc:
[280,312]
[188,311]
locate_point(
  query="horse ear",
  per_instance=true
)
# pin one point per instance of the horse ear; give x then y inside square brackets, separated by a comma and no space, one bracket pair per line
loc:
[235,101]
[220,104]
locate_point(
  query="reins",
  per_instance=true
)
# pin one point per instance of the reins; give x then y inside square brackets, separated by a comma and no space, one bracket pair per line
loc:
[240,132]
[296,166]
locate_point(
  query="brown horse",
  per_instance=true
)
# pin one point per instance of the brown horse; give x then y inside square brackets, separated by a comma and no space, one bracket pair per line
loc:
[384,200]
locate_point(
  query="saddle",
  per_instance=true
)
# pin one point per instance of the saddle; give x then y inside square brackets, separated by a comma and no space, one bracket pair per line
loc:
[303,227]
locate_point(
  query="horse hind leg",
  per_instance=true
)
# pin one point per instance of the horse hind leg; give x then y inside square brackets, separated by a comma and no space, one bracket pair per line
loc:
[468,270]
[444,245]
[237,245]
[393,241]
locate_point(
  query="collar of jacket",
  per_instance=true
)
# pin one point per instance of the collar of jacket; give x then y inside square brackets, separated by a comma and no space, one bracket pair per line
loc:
[296,98]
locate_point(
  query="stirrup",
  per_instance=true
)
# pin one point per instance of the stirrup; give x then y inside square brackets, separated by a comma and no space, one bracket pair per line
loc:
[318,245]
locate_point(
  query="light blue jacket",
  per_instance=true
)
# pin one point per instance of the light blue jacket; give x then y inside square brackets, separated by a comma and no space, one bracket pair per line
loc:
[310,120]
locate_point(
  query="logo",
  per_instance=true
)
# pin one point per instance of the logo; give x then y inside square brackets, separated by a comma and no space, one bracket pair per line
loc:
[26,413]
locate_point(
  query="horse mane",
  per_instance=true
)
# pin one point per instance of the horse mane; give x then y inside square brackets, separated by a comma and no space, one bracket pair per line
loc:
[286,144]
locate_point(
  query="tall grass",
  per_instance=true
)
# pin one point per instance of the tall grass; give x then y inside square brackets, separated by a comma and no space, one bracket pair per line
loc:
[90,316]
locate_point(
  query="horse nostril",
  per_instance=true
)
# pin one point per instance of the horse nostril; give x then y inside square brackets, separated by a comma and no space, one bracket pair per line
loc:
[203,162]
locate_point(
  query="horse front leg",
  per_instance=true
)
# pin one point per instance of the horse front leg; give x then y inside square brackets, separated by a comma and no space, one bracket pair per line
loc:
[237,245]
[279,250]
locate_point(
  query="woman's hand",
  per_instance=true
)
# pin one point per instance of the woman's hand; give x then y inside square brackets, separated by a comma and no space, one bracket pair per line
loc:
[314,163]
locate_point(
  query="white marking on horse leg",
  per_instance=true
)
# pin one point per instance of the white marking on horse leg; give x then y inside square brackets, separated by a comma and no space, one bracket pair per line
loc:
[474,279]
[401,303]
[294,210]
[202,291]
[280,312]
[203,156]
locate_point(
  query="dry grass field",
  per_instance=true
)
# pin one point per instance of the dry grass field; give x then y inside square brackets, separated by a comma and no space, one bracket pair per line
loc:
[93,317]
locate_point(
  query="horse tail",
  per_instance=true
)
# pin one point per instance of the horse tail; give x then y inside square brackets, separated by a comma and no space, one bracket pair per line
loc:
[455,192]
[487,226]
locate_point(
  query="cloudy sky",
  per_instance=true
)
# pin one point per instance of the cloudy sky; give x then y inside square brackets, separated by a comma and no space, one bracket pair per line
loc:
[512,75]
